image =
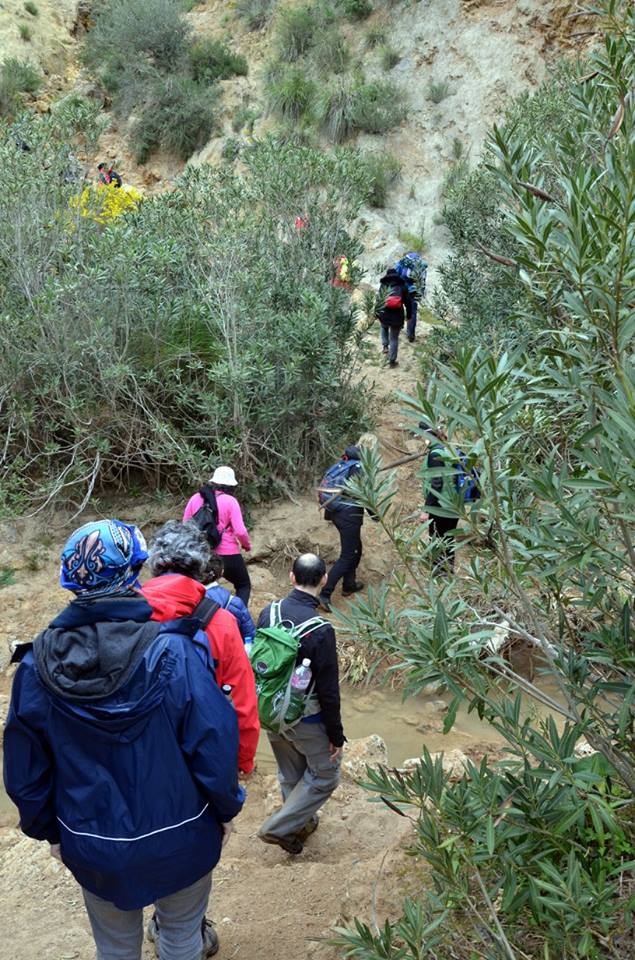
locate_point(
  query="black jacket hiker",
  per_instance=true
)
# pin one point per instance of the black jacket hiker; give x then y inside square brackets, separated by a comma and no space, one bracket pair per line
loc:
[392,283]
[440,528]
[319,647]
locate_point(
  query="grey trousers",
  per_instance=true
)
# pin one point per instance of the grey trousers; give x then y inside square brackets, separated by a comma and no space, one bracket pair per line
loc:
[119,933]
[307,777]
[390,340]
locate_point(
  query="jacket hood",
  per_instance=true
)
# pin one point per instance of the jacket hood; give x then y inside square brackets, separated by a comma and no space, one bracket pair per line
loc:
[391,276]
[172,596]
[92,648]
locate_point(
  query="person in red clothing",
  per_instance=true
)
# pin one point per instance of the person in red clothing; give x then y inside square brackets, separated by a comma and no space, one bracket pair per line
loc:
[179,557]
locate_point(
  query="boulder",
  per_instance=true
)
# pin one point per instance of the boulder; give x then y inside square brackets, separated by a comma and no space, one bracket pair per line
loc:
[358,754]
[454,763]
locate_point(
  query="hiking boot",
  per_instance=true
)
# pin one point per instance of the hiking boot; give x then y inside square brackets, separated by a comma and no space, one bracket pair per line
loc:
[411,339]
[393,363]
[384,349]
[325,603]
[309,827]
[354,589]
[291,844]
[210,937]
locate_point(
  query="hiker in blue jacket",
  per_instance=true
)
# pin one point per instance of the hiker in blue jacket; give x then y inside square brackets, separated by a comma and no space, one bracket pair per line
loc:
[120,753]
[229,601]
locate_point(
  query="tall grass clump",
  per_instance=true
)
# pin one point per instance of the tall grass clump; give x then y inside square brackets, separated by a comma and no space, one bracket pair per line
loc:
[17,78]
[290,92]
[255,13]
[141,352]
[296,30]
[350,105]
[331,52]
[382,170]
[355,9]
[437,92]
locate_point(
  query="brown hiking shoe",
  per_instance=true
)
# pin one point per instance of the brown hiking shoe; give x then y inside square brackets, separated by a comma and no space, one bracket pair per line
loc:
[309,827]
[290,844]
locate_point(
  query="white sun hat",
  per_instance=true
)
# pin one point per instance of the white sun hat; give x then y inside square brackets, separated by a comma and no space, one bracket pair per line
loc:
[224,477]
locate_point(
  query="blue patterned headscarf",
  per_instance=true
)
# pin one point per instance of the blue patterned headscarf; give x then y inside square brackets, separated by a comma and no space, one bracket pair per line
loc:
[102,558]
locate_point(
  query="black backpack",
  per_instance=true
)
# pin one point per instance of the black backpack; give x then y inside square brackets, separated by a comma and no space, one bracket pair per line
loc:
[206,517]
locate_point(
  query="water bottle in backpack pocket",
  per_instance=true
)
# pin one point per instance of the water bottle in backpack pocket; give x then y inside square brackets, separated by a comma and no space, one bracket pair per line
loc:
[283,690]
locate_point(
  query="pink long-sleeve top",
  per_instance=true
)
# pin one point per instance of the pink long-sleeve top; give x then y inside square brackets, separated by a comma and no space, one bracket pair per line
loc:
[230,522]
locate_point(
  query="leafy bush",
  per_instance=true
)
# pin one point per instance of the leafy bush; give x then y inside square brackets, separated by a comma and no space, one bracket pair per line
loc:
[382,170]
[355,9]
[25,32]
[212,60]
[104,203]
[350,106]
[530,857]
[296,30]
[31,8]
[17,77]
[141,351]
[437,92]
[178,115]
[255,13]
[389,57]
[290,92]
[331,53]
[231,149]
[244,119]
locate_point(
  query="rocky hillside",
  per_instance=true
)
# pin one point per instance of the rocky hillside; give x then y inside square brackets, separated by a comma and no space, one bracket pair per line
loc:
[458,63]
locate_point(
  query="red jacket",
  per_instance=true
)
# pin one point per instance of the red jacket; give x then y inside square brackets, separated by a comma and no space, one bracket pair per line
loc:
[172,596]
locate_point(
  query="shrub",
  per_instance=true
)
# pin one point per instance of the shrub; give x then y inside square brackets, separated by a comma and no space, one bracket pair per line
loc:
[129,32]
[104,203]
[255,13]
[212,60]
[137,325]
[296,29]
[244,119]
[437,92]
[355,9]
[290,92]
[17,77]
[415,239]
[389,57]
[530,856]
[31,8]
[25,32]
[178,115]
[331,53]
[351,106]
[379,107]
[382,169]
[231,149]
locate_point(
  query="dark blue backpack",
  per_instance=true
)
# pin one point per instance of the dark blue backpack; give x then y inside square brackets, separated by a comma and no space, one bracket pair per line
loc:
[333,482]
[467,481]
[414,270]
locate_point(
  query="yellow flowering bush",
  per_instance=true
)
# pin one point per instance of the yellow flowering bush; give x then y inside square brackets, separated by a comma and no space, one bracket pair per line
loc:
[104,203]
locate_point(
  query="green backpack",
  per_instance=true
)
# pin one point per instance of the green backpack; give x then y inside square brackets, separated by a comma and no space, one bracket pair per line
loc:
[273,658]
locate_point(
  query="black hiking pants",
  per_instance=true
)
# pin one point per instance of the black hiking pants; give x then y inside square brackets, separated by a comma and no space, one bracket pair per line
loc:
[349,526]
[440,529]
[235,570]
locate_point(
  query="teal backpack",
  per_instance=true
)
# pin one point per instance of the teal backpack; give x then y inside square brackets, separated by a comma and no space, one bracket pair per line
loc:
[273,658]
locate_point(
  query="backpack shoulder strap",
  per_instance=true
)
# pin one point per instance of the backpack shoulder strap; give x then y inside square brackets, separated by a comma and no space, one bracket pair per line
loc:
[274,613]
[304,629]
[205,610]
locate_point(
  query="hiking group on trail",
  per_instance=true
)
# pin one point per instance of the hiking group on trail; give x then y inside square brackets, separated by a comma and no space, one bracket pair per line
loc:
[137,712]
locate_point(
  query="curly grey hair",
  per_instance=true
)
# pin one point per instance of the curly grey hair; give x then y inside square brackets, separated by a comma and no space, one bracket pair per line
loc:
[179,548]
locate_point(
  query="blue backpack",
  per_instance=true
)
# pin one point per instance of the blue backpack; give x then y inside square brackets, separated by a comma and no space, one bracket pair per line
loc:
[467,481]
[333,481]
[414,269]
